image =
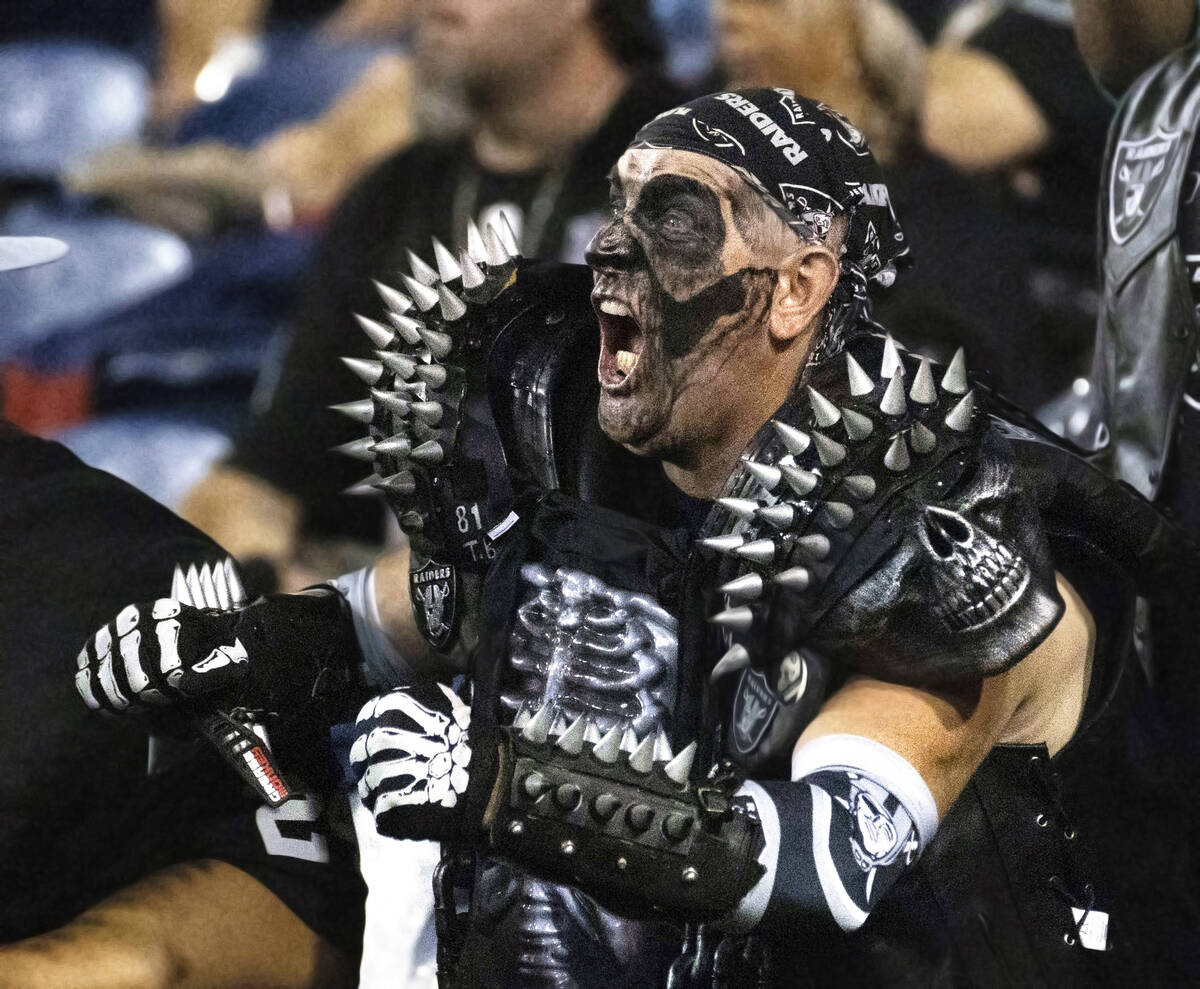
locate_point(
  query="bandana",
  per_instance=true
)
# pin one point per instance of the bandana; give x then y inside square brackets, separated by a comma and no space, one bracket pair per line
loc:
[810,164]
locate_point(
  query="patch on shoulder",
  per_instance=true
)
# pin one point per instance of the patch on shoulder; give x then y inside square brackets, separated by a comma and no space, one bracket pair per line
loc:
[754,708]
[1139,173]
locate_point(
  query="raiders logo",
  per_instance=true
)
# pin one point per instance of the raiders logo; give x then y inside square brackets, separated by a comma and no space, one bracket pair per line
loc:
[433,590]
[1139,172]
[716,137]
[753,710]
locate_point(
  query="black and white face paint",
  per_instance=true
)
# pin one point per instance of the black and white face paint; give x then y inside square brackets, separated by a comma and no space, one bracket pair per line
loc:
[684,276]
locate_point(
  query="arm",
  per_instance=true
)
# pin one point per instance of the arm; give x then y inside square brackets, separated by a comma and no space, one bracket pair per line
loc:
[186,928]
[1120,39]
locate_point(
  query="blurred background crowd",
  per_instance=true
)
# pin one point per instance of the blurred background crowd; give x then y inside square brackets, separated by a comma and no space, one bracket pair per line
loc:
[232,174]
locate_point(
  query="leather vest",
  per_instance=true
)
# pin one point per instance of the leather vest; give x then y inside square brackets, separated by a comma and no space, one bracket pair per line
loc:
[1147,331]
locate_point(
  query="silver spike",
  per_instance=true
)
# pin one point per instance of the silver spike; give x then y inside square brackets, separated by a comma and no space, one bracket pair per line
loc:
[421,271]
[955,378]
[860,382]
[207,588]
[780,516]
[379,334]
[361,411]
[723,544]
[402,367]
[439,344]
[368,371]
[475,246]
[424,296]
[837,513]
[892,364]
[825,411]
[800,480]
[741,507]
[758,551]
[559,726]
[609,747]
[858,426]
[734,661]
[893,403]
[629,739]
[538,729]
[815,546]
[368,486]
[434,375]
[795,440]
[429,452]
[923,390]
[641,759]
[392,401]
[412,521]
[662,747]
[859,486]
[896,458]
[507,237]
[496,254]
[591,731]
[472,274]
[408,328]
[394,446]
[237,593]
[220,579]
[748,587]
[959,417]
[430,412]
[193,582]
[447,267]
[830,451]
[922,438]
[179,588]
[679,768]
[395,300]
[402,483]
[739,619]
[360,449]
[571,740]
[453,308]
[766,474]
[794,579]
[523,717]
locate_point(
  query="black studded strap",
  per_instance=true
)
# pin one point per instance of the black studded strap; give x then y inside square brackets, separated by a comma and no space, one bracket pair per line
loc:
[633,828]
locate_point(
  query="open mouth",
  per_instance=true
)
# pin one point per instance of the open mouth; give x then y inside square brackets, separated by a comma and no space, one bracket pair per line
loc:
[621,343]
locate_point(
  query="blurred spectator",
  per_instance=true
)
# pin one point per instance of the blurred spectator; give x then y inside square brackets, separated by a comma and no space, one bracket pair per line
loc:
[552,102]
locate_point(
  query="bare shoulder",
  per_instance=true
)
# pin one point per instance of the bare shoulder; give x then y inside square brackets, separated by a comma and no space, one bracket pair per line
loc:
[946,734]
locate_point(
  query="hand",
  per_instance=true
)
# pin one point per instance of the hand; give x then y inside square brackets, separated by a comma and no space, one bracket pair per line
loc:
[158,653]
[413,758]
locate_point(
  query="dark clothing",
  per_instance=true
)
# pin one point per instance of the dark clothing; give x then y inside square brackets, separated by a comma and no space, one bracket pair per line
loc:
[79,817]
[430,189]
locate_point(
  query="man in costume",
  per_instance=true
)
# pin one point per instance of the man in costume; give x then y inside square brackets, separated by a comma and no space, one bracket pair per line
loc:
[789,654]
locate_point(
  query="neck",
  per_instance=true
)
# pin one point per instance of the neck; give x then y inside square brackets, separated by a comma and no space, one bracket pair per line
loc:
[545,111]
[704,469]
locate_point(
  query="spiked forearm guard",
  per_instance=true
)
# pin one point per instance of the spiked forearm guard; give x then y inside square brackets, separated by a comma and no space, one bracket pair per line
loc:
[630,829]
[431,437]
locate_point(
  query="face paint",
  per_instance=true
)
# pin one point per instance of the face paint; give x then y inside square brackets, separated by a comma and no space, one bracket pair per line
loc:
[679,288]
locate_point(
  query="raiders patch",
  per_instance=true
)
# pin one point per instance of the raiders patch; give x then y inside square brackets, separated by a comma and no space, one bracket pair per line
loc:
[434,593]
[754,708]
[1139,172]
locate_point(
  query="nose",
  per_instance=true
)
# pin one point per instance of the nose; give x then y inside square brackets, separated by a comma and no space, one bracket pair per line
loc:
[613,248]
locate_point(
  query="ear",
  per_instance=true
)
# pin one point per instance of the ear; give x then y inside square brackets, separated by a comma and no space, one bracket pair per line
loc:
[804,285]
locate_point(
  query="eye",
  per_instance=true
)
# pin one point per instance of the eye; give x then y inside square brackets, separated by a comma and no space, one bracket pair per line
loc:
[677,223]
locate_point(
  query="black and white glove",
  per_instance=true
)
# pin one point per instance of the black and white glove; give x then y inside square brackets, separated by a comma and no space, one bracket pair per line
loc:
[413,759]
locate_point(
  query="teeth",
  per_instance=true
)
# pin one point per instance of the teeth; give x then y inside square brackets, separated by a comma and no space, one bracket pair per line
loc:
[614,308]
[627,361]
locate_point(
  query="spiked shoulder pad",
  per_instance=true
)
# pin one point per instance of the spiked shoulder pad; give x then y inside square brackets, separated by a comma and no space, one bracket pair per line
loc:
[879,520]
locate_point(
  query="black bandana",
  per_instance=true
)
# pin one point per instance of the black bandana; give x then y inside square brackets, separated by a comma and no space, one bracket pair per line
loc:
[810,164]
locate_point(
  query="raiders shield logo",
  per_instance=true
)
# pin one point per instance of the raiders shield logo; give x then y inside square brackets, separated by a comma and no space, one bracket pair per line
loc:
[753,709]
[433,589]
[1139,172]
